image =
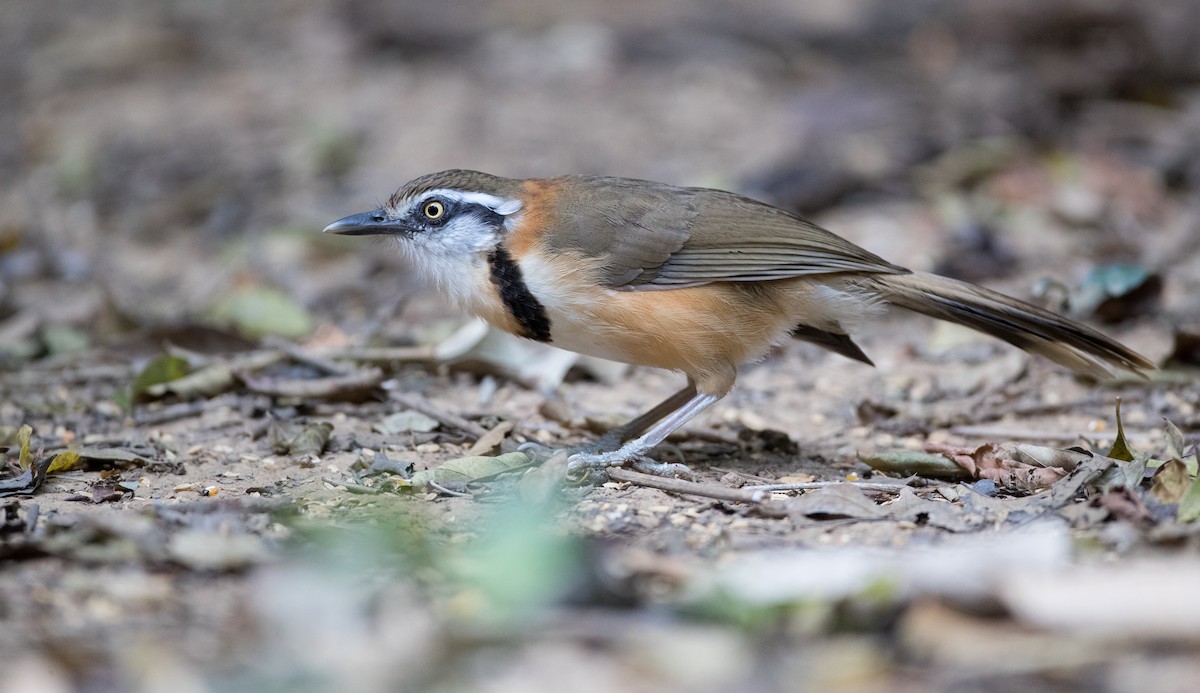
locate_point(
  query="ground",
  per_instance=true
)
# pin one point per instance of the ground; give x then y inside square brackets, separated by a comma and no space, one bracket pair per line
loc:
[258,410]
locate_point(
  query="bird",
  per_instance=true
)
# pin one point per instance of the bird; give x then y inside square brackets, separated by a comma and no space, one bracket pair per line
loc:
[693,280]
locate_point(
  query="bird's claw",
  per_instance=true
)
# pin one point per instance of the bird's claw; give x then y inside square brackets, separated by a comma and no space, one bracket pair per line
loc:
[677,470]
[581,462]
[586,463]
[537,452]
[581,466]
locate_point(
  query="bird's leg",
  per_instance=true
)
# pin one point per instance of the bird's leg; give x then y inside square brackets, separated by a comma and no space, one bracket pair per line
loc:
[632,451]
[613,439]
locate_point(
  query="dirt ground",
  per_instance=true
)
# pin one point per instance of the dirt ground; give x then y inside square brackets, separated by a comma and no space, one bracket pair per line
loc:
[262,416]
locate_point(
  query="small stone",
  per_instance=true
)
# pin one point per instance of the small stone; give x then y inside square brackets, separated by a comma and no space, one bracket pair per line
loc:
[406,421]
[555,409]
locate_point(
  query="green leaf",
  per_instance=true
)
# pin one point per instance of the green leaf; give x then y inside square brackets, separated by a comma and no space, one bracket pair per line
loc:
[123,457]
[23,436]
[261,311]
[215,377]
[64,462]
[1125,474]
[1189,505]
[520,564]
[1120,449]
[908,462]
[124,400]
[470,468]
[64,339]
[163,369]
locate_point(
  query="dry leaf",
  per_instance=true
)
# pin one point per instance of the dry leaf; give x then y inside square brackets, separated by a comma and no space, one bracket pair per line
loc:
[839,500]
[1120,448]
[909,462]
[1171,481]
[28,481]
[490,441]
[24,459]
[296,438]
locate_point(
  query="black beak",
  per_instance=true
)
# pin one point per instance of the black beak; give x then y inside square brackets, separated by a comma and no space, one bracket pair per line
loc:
[365,224]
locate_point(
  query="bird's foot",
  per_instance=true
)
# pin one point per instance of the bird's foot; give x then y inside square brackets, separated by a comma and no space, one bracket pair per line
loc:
[671,470]
[582,465]
[591,459]
[538,453]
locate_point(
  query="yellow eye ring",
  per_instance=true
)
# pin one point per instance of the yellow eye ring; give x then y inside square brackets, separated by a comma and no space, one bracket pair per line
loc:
[433,210]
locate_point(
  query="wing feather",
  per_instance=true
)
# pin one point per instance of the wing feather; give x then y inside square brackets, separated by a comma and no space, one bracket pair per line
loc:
[654,236]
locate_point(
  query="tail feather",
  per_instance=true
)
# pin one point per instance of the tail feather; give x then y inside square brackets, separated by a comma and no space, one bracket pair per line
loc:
[833,341]
[1021,324]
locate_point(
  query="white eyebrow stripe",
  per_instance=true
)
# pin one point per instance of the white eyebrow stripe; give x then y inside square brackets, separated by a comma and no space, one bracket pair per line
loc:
[500,205]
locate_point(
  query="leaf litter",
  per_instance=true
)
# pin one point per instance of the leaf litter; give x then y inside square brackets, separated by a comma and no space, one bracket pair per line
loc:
[299,430]
[217,562]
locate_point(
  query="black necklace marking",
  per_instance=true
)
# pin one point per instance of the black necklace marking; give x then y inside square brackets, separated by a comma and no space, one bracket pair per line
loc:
[529,313]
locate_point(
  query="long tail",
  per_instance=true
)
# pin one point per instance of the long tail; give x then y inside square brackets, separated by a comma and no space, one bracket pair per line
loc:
[1026,326]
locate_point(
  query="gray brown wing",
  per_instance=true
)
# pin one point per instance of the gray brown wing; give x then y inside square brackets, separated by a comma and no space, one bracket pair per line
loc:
[735,238]
[655,236]
[635,226]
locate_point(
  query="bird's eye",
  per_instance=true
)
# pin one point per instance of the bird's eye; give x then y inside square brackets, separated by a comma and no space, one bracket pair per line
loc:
[433,210]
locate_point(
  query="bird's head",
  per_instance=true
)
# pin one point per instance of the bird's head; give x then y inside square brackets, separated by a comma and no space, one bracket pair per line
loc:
[440,218]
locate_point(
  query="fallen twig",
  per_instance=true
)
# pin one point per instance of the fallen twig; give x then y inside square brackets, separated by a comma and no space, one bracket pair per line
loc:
[974,415]
[448,492]
[744,475]
[381,354]
[810,485]
[1018,434]
[387,310]
[220,505]
[217,376]
[759,499]
[705,436]
[31,377]
[355,382]
[182,410]
[302,355]
[492,439]
[1066,489]
[413,401]
[352,487]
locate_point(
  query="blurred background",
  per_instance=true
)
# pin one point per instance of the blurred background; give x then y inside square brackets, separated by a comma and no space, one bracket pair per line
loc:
[156,154]
[166,167]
